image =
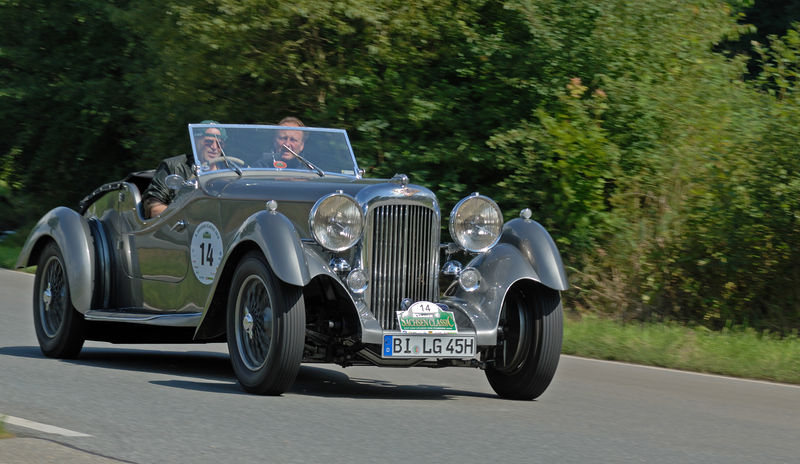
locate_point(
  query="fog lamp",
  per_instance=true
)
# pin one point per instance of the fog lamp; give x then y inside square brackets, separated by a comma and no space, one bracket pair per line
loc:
[357,281]
[469,279]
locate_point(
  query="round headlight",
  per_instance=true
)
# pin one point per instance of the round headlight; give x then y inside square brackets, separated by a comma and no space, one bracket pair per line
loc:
[336,221]
[475,223]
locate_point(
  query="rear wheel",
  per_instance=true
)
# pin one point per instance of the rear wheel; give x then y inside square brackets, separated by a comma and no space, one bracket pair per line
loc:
[59,327]
[529,348]
[266,328]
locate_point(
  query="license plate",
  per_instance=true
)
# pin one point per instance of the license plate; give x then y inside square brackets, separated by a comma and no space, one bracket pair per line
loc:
[428,346]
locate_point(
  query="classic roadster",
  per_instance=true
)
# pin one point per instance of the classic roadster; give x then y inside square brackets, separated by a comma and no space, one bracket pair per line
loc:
[290,255]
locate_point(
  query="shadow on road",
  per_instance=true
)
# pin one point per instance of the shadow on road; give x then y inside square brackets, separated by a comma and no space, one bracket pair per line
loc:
[318,381]
[214,374]
[22,351]
[203,364]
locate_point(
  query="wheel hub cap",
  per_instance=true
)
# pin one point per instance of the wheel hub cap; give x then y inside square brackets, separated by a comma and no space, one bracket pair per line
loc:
[47,297]
[247,323]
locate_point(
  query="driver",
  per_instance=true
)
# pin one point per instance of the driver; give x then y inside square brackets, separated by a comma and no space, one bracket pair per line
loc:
[286,142]
[209,143]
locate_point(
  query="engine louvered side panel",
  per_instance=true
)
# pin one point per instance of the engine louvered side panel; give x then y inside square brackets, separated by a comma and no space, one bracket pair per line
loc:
[403,259]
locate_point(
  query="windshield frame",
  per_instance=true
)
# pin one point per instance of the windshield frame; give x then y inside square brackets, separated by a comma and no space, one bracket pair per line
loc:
[223,166]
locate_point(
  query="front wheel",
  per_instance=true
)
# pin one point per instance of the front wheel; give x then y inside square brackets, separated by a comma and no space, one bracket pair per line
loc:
[266,328]
[527,354]
[59,327]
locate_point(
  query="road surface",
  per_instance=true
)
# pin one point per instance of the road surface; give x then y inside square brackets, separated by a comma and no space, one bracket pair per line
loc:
[181,404]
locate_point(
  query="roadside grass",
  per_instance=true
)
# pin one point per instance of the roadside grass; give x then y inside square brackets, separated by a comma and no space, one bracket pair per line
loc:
[738,352]
[10,246]
[3,432]
[8,256]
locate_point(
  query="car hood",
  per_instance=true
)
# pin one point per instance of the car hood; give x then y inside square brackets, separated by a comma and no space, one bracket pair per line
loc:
[290,187]
[296,193]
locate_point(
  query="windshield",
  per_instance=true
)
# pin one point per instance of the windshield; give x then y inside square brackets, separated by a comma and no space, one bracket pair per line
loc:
[250,147]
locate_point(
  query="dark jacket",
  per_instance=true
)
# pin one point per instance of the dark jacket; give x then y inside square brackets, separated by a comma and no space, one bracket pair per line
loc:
[157,189]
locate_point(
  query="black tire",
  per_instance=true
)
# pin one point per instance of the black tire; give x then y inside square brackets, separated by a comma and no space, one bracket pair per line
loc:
[59,327]
[266,328]
[527,356]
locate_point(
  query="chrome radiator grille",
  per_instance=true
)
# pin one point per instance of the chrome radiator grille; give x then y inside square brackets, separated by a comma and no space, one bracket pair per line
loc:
[403,258]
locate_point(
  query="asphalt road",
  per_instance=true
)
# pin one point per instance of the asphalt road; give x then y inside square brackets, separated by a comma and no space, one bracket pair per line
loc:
[181,404]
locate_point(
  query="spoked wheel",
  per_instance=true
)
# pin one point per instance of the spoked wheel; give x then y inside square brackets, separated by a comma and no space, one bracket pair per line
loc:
[529,347]
[266,328]
[59,327]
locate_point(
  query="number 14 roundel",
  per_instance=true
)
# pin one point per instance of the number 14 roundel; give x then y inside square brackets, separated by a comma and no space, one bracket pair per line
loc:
[206,251]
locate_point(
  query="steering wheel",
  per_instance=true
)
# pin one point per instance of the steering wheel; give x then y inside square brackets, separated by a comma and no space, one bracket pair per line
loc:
[221,160]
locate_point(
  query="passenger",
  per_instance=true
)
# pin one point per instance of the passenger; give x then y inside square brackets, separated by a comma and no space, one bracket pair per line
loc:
[209,143]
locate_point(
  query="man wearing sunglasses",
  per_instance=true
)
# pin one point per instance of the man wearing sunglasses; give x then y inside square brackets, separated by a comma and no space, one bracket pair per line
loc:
[209,142]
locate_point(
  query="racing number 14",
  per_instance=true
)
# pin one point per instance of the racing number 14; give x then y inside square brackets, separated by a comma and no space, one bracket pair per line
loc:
[206,254]
[206,251]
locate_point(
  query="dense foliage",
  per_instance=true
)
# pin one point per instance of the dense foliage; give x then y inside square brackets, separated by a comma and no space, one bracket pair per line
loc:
[663,167]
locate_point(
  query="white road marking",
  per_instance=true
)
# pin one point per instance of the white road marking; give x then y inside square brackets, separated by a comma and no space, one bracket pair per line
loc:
[41,427]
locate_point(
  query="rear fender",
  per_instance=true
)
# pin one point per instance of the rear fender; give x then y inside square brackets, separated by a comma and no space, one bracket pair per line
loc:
[72,233]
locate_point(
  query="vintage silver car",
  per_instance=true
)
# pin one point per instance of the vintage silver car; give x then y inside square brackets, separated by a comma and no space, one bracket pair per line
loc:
[290,255]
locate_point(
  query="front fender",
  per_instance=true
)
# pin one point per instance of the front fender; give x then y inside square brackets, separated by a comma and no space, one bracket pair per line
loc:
[275,236]
[533,241]
[280,242]
[500,268]
[73,236]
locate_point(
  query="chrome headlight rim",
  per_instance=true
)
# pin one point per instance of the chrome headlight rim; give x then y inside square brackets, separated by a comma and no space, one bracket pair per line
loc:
[456,227]
[315,218]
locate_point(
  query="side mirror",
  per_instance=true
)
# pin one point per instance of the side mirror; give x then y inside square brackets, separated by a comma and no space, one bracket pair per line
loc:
[174,182]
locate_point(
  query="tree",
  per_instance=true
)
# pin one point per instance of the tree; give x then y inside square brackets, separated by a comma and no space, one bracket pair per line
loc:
[64,100]
[653,159]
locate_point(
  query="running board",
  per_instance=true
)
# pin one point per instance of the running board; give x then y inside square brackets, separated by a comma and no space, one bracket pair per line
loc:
[168,320]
